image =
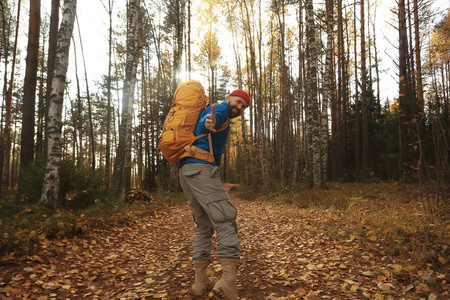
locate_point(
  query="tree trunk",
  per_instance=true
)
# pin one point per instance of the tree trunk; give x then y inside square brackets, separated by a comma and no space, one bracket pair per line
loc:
[50,189]
[29,99]
[189,68]
[41,106]
[377,71]
[108,109]
[326,94]
[313,111]
[403,99]
[419,84]
[51,57]
[121,178]
[364,104]
[7,128]
[88,97]
[357,105]
[79,116]
[178,12]
[6,17]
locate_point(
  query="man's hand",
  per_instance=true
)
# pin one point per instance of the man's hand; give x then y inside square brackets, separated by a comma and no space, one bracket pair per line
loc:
[211,120]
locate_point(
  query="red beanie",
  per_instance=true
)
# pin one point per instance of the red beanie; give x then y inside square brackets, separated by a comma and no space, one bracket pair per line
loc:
[243,94]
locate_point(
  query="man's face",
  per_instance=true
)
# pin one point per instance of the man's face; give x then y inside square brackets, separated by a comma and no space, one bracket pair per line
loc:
[236,106]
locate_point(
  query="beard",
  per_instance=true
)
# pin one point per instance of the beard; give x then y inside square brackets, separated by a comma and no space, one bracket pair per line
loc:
[233,112]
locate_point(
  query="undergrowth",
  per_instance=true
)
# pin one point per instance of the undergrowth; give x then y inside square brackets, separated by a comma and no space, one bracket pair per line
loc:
[390,215]
[23,225]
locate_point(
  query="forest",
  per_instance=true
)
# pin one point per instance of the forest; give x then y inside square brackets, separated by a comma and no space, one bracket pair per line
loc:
[313,70]
[339,169]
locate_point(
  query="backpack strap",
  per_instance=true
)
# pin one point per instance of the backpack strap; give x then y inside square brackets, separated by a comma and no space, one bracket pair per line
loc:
[193,151]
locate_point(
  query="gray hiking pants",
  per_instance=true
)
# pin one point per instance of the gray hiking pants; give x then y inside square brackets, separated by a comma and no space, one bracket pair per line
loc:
[212,210]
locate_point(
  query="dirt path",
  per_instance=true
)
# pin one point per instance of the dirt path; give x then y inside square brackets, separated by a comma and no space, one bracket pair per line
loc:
[285,255]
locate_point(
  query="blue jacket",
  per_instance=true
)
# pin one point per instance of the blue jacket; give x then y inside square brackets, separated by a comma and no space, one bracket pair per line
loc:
[218,138]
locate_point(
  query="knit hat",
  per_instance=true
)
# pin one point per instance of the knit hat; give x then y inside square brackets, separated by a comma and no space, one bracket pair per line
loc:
[243,94]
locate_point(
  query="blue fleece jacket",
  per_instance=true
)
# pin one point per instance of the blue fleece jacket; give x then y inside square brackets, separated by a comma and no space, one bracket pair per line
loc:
[218,138]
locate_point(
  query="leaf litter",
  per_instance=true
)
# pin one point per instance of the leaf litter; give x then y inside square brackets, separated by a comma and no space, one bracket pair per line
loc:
[286,253]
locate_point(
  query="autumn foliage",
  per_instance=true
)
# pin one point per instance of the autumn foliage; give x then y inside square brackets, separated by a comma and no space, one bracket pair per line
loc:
[352,241]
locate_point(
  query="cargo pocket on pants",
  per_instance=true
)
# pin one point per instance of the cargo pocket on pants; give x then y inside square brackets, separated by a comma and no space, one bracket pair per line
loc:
[220,207]
[190,173]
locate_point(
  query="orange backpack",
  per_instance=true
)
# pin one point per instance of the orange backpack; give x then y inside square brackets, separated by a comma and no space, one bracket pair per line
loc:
[178,129]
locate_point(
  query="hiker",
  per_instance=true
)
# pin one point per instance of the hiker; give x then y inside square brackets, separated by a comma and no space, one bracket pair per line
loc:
[210,202]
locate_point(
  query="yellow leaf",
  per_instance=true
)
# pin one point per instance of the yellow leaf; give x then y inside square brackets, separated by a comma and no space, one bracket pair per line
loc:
[66,287]
[184,265]
[160,295]
[397,268]
[378,297]
[319,266]
[311,267]
[373,238]
[149,280]
[342,266]
[98,292]
[354,288]
[432,297]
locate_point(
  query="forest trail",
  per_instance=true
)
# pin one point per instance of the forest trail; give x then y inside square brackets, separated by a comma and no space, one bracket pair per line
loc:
[286,254]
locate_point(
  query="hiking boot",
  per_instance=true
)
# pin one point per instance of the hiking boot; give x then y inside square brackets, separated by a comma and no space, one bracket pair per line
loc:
[202,282]
[227,285]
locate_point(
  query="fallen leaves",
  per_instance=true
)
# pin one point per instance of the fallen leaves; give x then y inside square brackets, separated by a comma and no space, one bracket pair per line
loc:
[285,254]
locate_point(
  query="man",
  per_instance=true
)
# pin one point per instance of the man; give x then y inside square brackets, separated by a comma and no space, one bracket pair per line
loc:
[210,202]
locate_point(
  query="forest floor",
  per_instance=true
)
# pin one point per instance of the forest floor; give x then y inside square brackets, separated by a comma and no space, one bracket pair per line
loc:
[287,252]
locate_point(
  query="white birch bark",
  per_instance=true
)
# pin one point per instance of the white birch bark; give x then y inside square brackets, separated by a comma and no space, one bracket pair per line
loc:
[326,96]
[50,190]
[122,166]
[313,116]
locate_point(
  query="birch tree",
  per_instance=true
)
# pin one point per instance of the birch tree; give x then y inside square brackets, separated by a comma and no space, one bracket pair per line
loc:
[121,178]
[109,9]
[51,57]
[312,101]
[50,189]
[326,94]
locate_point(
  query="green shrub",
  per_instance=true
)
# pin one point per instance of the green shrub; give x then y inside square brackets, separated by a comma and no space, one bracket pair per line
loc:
[79,186]
[30,183]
